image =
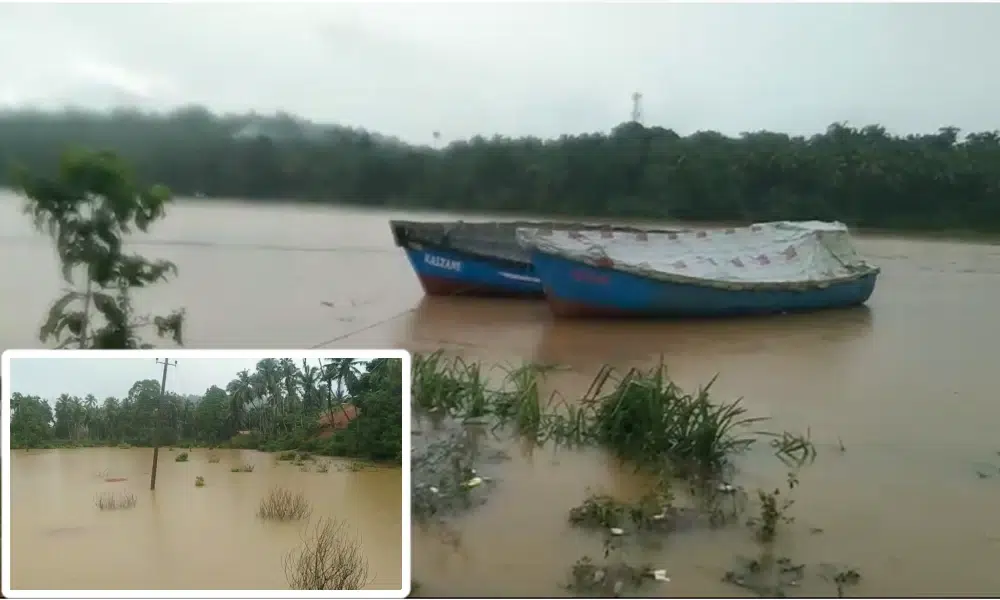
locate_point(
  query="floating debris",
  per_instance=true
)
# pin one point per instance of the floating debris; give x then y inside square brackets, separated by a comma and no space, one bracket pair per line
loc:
[606,580]
[445,480]
[617,531]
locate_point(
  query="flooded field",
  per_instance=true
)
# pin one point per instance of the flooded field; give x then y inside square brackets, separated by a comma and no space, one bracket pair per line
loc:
[184,537]
[899,398]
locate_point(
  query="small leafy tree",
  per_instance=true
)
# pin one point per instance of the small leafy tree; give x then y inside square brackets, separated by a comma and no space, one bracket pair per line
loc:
[88,209]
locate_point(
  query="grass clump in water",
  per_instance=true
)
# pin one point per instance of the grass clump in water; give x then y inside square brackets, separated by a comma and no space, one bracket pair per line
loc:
[641,416]
[182,457]
[115,501]
[199,481]
[329,559]
[645,417]
[450,388]
[213,458]
[282,505]
[323,467]
[287,456]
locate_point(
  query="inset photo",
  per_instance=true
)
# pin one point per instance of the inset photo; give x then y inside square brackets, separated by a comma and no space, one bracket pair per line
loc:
[208,474]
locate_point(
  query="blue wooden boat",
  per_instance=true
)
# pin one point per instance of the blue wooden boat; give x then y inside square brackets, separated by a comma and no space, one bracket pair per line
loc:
[475,259]
[764,268]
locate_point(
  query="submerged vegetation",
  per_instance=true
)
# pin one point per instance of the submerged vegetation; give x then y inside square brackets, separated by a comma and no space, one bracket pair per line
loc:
[862,175]
[282,505]
[641,415]
[115,501]
[688,444]
[281,405]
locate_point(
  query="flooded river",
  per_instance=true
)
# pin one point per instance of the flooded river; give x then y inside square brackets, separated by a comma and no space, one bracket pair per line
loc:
[184,537]
[906,385]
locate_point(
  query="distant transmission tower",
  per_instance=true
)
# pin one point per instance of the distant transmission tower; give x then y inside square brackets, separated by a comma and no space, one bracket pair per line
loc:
[636,107]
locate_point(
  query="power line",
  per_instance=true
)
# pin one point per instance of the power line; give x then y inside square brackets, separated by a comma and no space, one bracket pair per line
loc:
[156,420]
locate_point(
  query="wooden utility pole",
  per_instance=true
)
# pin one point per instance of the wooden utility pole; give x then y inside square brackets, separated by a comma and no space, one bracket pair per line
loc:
[156,420]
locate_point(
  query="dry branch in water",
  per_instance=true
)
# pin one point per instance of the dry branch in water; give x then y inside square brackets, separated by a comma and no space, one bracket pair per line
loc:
[329,559]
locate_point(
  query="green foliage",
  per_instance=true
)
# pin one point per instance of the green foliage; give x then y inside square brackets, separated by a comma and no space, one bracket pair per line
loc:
[88,209]
[277,407]
[31,421]
[864,176]
[378,434]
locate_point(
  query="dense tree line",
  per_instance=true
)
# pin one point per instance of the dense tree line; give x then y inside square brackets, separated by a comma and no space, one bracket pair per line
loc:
[276,407]
[864,176]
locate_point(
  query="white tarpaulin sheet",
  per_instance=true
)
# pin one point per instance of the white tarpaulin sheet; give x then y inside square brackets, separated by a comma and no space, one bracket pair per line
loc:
[784,252]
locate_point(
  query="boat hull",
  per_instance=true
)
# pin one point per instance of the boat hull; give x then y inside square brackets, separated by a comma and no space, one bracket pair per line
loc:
[575,289]
[449,273]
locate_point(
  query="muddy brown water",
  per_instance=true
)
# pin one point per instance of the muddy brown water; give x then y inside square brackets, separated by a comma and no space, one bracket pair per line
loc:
[183,537]
[907,385]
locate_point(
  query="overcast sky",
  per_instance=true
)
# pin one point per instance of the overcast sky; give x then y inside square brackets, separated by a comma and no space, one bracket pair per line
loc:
[525,68]
[50,377]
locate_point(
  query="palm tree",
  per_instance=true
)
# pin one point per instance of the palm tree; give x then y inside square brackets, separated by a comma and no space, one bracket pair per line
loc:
[240,392]
[346,372]
[309,380]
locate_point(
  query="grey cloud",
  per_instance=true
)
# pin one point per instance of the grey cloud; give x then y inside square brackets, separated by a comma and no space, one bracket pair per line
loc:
[50,377]
[521,68]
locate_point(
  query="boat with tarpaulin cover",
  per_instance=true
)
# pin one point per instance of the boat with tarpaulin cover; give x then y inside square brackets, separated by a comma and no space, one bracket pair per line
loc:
[454,258]
[776,267]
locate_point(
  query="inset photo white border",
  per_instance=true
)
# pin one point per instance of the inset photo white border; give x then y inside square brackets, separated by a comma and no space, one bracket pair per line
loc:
[181,355]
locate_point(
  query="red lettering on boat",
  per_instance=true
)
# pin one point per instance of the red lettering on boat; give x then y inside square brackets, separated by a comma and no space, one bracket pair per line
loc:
[585,276]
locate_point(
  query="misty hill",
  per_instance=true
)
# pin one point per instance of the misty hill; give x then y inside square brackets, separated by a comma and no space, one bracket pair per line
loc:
[865,176]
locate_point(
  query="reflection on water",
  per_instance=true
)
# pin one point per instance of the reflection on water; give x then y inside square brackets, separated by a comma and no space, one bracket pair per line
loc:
[906,385]
[183,537]
[511,327]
